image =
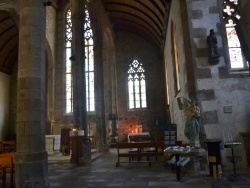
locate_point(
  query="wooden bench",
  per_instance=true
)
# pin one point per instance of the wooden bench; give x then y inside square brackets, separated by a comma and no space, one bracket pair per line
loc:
[7,161]
[142,151]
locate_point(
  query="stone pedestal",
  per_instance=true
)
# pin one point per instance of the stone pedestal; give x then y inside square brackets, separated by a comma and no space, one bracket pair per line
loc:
[197,158]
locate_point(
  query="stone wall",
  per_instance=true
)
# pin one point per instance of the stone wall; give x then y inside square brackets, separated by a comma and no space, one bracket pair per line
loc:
[59,118]
[176,43]
[217,89]
[4,101]
[129,46]
[13,101]
[9,104]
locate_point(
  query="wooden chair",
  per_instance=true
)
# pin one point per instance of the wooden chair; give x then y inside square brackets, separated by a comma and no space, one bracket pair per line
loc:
[7,160]
[3,175]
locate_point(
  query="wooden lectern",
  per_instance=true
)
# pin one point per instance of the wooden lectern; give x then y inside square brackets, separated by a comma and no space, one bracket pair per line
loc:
[77,148]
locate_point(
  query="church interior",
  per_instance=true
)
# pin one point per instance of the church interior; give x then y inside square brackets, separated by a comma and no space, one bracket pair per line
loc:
[78,76]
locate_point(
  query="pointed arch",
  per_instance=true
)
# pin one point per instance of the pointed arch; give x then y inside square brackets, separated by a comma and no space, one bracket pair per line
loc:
[136,85]
[89,62]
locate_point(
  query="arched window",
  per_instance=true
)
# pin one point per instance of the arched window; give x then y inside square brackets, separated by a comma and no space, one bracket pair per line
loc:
[68,46]
[136,86]
[231,16]
[89,63]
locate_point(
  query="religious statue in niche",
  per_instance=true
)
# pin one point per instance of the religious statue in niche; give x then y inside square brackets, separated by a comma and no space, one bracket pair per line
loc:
[214,55]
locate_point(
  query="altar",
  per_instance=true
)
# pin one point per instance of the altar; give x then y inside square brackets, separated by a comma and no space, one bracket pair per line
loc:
[142,134]
[52,143]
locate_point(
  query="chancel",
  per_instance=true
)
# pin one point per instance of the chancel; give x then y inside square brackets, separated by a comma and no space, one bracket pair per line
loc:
[87,82]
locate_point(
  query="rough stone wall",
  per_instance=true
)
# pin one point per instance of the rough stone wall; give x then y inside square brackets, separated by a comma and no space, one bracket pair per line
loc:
[4,101]
[51,28]
[13,100]
[11,6]
[129,46]
[50,62]
[175,28]
[60,119]
[217,90]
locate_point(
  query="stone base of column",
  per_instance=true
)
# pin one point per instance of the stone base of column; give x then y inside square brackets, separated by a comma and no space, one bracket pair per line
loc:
[31,170]
[87,151]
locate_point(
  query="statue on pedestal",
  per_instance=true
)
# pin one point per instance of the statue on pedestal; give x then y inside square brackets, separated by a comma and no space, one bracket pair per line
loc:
[192,120]
[192,124]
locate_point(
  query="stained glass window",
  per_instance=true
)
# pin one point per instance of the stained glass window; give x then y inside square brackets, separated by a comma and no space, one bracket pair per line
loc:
[231,15]
[136,86]
[89,63]
[68,41]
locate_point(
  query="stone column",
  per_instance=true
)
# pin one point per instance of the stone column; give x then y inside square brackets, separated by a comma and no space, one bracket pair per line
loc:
[79,80]
[31,167]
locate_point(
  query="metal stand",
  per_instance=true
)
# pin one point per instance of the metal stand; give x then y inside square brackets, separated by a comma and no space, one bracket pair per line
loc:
[233,159]
[178,151]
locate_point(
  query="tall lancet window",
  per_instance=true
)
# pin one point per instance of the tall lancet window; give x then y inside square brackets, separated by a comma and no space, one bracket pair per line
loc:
[230,13]
[89,63]
[68,46]
[136,86]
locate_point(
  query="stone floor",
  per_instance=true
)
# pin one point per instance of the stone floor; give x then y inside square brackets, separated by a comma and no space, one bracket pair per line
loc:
[102,172]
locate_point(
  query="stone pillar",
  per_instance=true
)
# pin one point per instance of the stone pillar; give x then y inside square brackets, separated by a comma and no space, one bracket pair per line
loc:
[78,68]
[31,158]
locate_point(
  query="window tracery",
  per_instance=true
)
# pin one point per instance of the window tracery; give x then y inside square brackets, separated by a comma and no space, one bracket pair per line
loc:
[89,62]
[231,17]
[136,86]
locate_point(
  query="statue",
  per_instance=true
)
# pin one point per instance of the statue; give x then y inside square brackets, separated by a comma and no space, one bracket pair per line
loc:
[214,56]
[192,121]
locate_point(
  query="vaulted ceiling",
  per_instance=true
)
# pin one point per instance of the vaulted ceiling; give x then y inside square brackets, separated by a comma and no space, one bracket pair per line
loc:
[146,18]
[8,42]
